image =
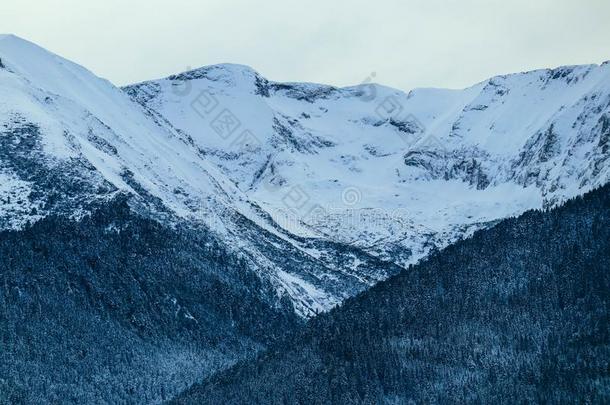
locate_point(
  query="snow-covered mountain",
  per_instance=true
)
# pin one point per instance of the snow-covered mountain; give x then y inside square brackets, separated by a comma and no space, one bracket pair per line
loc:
[71,141]
[323,190]
[390,173]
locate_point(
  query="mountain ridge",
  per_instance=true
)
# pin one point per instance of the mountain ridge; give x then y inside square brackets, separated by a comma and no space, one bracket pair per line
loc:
[171,219]
[324,172]
[291,132]
[518,312]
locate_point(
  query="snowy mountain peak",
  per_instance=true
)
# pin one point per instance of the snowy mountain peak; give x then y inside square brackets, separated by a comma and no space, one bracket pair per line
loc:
[323,190]
[231,75]
[41,67]
[487,144]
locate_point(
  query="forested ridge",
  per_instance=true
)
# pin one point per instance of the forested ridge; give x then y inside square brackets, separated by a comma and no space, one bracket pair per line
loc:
[515,314]
[119,308]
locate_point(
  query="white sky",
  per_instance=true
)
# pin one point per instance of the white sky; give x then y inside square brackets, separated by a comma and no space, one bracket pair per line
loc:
[408,43]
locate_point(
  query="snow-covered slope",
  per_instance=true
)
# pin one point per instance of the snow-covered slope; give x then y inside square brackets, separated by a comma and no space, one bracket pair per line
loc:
[323,190]
[388,172]
[70,141]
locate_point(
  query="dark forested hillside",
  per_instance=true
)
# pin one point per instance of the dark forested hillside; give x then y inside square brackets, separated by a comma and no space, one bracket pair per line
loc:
[117,308]
[516,314]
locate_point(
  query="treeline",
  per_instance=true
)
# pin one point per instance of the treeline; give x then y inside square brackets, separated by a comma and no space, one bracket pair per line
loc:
[117,308]
[519,313]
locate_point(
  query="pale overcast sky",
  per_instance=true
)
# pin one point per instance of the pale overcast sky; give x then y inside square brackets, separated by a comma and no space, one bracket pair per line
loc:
[408,43]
